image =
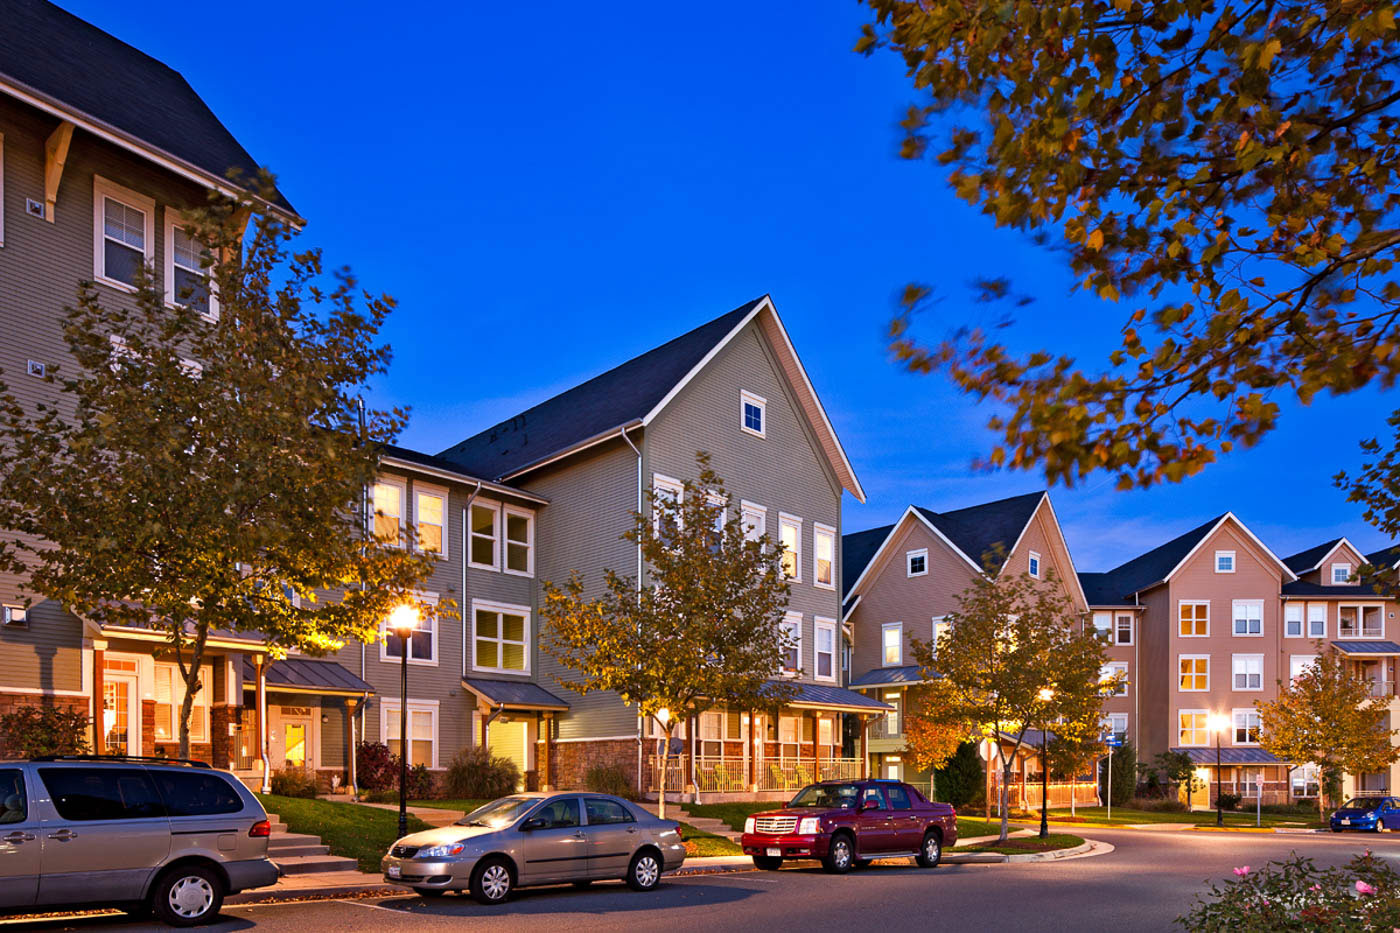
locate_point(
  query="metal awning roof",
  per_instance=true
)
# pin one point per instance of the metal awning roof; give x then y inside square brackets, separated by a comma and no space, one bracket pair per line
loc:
[1371,648]
[513,694]
[308,675]
[824,696]
[889,677]
[1230,756]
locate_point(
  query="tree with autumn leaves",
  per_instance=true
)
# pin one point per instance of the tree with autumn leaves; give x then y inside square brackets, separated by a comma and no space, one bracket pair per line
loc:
[701,630]
[1016,655]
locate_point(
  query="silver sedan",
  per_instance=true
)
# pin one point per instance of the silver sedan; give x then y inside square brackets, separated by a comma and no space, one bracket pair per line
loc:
[532,838]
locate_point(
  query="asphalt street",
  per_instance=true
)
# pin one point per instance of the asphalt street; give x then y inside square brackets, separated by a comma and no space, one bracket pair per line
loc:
[1143,885]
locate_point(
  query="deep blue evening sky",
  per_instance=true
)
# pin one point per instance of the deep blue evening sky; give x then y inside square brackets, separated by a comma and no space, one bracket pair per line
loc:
[551,188]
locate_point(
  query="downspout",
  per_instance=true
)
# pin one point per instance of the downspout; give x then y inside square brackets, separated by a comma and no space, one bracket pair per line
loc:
[354,771]
[623,432]
[1137,672]
[466,560]
[364,531]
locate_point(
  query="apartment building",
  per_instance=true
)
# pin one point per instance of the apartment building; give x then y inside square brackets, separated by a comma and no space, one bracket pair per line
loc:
[901,581]
[1215,621]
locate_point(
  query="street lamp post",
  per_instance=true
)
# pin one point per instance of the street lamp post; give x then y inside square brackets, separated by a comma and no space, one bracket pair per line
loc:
[403,622]
[1218,724]
[1046,695]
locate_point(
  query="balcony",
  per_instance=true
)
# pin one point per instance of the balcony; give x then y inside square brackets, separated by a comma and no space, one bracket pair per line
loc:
[887,727]
[1384,689]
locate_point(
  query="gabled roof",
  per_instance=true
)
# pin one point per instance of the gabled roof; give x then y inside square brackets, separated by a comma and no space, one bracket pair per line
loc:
[1313,558]
[633,394]
[416,461]
[857,549]
[1159,564]
[979,530]
[68,67]
[308,675]
[1386,557]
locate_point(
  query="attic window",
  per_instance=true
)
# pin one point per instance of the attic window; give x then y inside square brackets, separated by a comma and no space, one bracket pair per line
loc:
[1035,564]
[752,413]
[1341,573]
[917,562]
[1224,561]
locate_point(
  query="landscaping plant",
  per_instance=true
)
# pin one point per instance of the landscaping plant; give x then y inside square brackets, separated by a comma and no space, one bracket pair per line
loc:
[476,774]
[1297,895]
[29,731]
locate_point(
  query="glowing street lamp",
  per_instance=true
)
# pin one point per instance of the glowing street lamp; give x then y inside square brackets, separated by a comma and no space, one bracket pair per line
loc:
[403,622]
[1218,723]
[1045,695]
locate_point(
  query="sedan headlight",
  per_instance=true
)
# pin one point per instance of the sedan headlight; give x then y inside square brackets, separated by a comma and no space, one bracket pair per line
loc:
[809,826]
[446,850]
[750,824]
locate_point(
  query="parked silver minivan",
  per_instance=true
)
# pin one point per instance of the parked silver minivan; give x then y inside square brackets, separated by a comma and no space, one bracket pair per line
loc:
[151,836]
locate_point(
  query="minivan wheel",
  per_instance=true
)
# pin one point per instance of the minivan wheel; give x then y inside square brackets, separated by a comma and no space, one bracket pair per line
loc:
[187,896]
[839,857]
[931,852]
[491,882]
[645,871]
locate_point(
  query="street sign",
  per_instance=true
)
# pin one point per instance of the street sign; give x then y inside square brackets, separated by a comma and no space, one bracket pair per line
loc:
[1112,740]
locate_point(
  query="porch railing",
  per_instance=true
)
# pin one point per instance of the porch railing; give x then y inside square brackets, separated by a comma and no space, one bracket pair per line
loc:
[1381,688]
[1026,794]
[883,728]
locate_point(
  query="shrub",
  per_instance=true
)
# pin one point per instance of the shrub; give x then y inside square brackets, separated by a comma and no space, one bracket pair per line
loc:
[376,768]
[388,795]
[477,774]
[1158,805]
[1229,801]
[293,782]
[30,731]
[609,779]
[960,779]
[422,784]
[1124,774]
[1296,895]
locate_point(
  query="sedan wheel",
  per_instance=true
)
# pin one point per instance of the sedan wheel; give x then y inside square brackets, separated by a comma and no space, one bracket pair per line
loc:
[839,857]
[645,871]
[931,852]
[491,882]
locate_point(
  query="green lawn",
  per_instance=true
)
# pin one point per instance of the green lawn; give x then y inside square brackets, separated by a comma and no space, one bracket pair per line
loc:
[361,833]
[700,844]
[969,826]
[466,806]
[733,814]
[1022,844]
[1241,818]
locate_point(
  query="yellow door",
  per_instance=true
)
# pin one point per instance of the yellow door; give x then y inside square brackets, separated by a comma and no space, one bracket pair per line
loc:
[296,745]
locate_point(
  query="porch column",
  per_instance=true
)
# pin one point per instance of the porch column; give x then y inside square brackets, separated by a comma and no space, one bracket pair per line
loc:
[99,690]
[751,750]
[816,752]
[864,746]
[351,704]
[692,745]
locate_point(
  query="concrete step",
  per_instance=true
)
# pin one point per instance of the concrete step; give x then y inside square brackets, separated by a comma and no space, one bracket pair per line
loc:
[306,864]
[288,851]
[292,839]
[278,827]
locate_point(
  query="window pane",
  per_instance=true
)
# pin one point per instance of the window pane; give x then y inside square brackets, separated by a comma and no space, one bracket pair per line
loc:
[124,224]
[192,290]
[422,645]
[102,793]
[14,806]
[514,627]
[488,653]
[488,624]
[518,557]
[513,657]
[421,753]
[517,528]
[430,538]
[120,262]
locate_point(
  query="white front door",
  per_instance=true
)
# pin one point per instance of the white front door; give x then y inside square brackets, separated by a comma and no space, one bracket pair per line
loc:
[892,768]
[121,715]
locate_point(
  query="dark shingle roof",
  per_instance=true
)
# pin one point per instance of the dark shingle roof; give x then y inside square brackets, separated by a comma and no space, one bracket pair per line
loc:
[834,697]
[515,693]
[888,676]
[857,549]
[59,56]
[1230,756]
[1303,588]
[620,396]
[980,529]
[307,674]
[1115,586]
[435,462]
[1386,557]
[1100,589]
[1304,561]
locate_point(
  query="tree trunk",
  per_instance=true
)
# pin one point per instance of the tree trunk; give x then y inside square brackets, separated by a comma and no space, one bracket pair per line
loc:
[190,676]
[665,760]
[1005,779]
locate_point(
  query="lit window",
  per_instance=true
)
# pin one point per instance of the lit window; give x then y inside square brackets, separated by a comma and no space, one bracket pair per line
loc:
[170,697]
[1123,633]
[501,638]
[1299,664]
[917,562]
[1293,620]
[752,410]
[824,556]
[17,616]
[1035,564]
[1194,618]
[1246,727]
[1194,672]
[430,510]
[1224,561]
[1193,727]
[1359,621]
[1341,573]
[1304,780]
[790,540]
[422,644]
[892,641]
[941,627]
[520,541]
[1249,617]
[422,730]
[485,535]
[791,627]
[1248,671]
[825,649]
[125,228]
[388,511]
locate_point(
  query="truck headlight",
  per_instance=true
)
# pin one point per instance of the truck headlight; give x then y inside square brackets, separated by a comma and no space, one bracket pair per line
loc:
[809,826]
[750,824]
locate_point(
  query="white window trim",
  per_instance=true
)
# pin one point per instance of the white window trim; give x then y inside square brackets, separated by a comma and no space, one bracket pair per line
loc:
[1234,612]
[1119,667]
[14,615]
[402,486]
[785,519]
[493,506]
[1360,616]
[909,561]
[1109,721]
[1233,562]
[1192,602]
[1132,629]
[1235,689]
[1302,619]
[760,512]
[1034,566]
[935,623]
[1192,657]
[820,625]
[818,530]
[1193,712]
[432,600]
[529,516]
[761,403]
[1332,577]
[420,488]
[899,627]
[1308,621]
[173,219]
[389,711]
[493,606]
[102,188]
[1292,658]
[1234,725]
[793,619]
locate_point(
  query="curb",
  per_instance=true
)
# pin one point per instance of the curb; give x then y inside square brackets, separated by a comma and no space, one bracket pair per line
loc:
[1089,847]
[269,895]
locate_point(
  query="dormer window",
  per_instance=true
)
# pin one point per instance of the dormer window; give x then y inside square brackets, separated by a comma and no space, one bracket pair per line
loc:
[1224,561]
[753,414]
[917,562]
[1341,573]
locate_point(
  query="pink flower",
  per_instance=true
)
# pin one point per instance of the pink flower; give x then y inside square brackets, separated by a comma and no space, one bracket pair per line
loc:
[1241,872]
[1318,887]
[1364,888]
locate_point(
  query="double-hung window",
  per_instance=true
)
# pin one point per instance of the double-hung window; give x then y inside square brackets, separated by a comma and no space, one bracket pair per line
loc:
[1293,620]
[1300,664]
[666,505]
[892,644]
[1123,629]
[1117,725]
[422,644]
[170,696]
[485,524]
[824,557]
[1193,672]
[1034,564]
[389,498]
[1317,620]
[1341,573]
[1246,726]
[422,729]
[1249,617]
[500,638]
[123,235]
[825,635]
[941,627]
[792,642]
[520,541]
[790,539]
[430,510]
[916,562]
[1304,780]
[1116,674]
[1248,670]
[755,519]
[186,272]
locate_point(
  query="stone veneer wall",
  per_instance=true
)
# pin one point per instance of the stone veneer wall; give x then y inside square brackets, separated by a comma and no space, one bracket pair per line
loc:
[573,760]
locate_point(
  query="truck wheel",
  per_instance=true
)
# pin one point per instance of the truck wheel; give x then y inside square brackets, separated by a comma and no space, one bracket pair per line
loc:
[931,850]
[184,897]
[767,862]
[840,856]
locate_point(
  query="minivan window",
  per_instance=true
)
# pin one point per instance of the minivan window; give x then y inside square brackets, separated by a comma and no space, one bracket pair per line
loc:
[102,793]
[899,800]
[189,793]
[602,811]
[13,807]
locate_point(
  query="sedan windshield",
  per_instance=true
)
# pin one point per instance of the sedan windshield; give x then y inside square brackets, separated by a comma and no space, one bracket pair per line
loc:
[827,796]
[1362,803]
[499,813]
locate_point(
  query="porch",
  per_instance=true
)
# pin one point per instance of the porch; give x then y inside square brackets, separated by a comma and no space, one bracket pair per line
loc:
[1374,662]
[738,775]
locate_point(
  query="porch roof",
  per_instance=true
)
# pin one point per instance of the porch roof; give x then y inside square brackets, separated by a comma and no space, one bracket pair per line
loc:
[1372,648]
[1230,756]
[513,694]
[825,696]
[889,677]
[308,675]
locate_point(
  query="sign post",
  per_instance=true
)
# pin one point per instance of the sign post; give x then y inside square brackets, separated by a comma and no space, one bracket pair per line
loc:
[1112,741]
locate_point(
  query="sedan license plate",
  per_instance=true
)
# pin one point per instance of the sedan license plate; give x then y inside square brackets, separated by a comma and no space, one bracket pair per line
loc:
[1346,821]
[393,871]
[774,852]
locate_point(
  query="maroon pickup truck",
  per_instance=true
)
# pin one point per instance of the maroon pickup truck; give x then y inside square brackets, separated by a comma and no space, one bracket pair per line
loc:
[848,823]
